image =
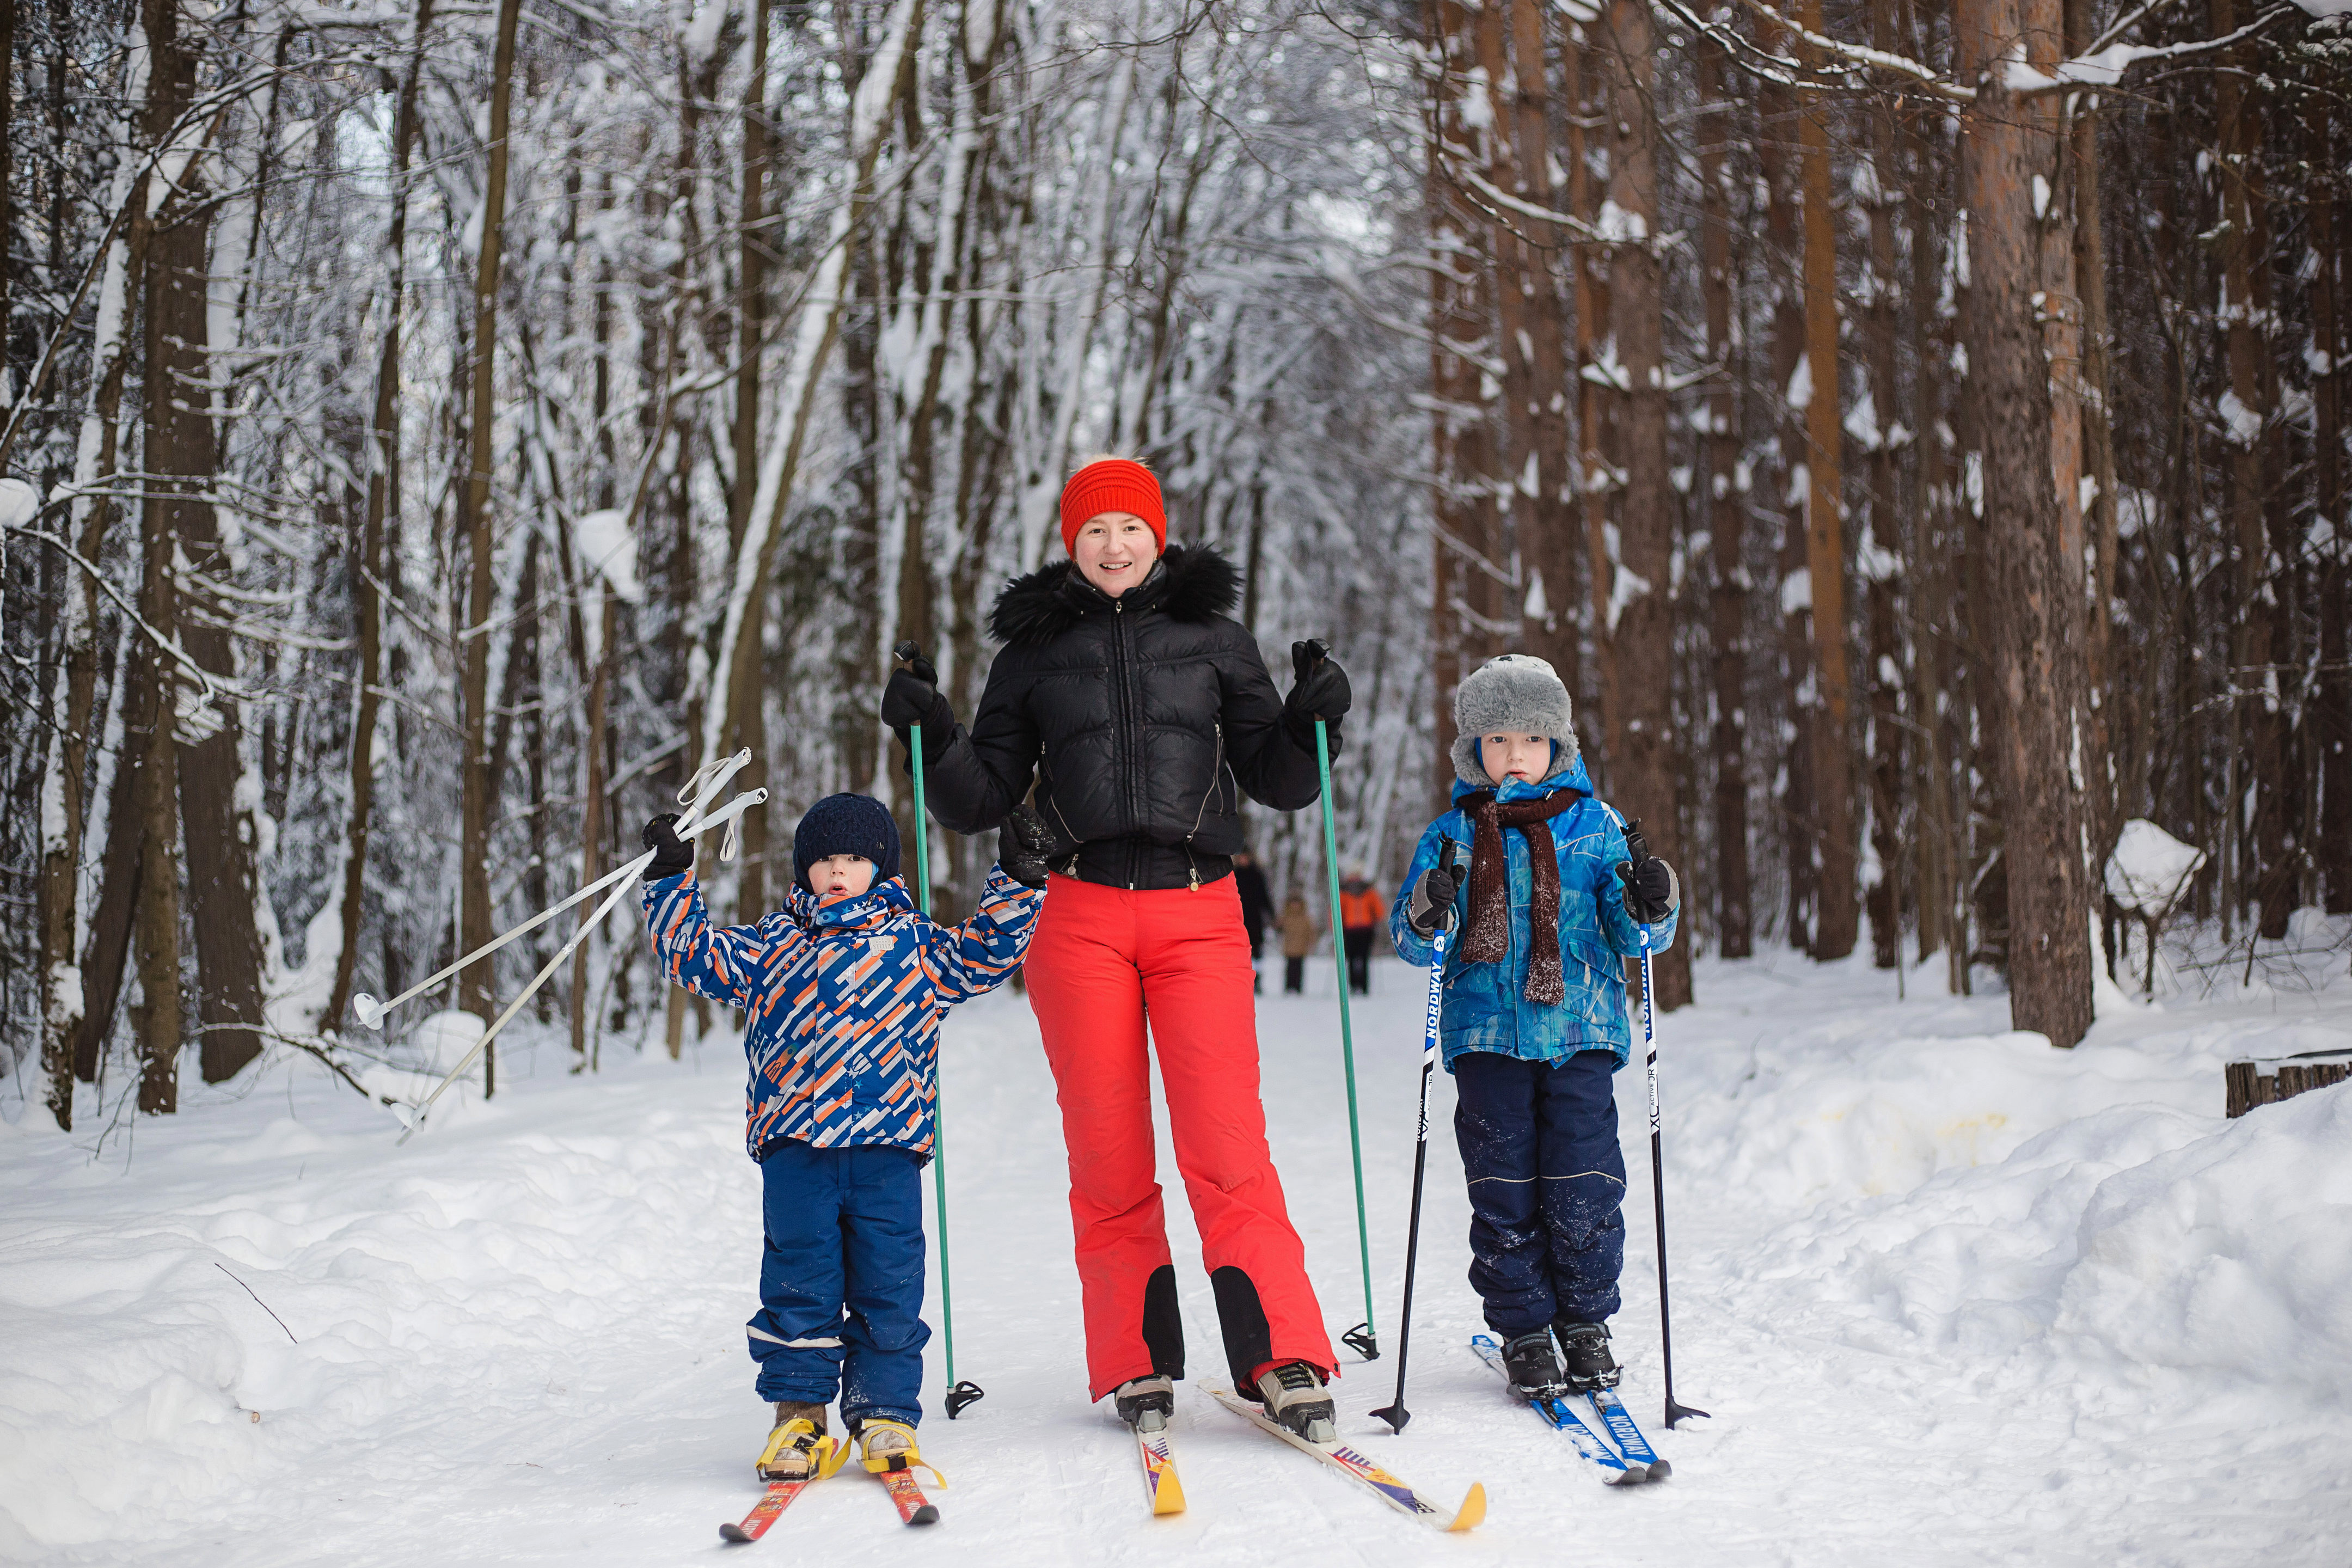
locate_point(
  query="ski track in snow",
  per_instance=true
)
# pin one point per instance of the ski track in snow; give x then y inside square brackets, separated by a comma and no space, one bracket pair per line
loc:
[1952,1296]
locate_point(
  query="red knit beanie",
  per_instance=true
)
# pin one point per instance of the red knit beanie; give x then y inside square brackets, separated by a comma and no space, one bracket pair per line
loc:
[1112,484]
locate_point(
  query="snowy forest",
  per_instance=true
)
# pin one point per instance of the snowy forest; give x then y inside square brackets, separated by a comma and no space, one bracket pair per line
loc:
[1914,432]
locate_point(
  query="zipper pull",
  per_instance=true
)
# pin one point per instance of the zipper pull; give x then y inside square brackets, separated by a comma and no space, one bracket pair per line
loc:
[1196,875]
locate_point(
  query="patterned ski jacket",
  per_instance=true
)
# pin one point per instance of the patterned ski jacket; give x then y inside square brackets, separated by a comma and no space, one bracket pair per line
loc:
[1486,1006]
[844,1000]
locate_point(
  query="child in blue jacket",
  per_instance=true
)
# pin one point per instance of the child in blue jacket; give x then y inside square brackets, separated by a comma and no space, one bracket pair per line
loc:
[843,987]
[1557,893]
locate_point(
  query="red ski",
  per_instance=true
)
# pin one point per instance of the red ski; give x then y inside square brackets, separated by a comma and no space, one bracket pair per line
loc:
[914,1508]
[779,1497]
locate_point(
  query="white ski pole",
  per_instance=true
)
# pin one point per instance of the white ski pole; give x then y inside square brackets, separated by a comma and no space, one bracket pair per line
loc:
[1658,1186]
[1396,1414]
[699,791]
[733,809]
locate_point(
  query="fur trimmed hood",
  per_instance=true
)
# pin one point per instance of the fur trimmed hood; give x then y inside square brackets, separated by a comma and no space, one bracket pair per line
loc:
[1189,584]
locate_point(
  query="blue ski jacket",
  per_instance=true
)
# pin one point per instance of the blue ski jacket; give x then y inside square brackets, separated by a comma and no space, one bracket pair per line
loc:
[1486,1006]
[844,1000]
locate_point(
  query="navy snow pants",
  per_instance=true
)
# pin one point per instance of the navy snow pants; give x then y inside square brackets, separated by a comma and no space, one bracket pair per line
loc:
[1547,1181]
[841,1280]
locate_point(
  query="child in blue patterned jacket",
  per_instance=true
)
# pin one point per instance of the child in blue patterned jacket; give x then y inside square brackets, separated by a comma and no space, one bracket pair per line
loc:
[1559,891]
[843,989]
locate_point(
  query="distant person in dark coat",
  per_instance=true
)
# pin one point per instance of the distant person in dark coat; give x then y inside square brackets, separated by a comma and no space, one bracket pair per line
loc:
[1257,907]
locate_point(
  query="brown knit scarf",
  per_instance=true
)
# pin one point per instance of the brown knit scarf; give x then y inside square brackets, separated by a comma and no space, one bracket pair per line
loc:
[1487,939]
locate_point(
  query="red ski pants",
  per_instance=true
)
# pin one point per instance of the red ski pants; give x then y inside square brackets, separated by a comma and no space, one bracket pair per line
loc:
[1101,959]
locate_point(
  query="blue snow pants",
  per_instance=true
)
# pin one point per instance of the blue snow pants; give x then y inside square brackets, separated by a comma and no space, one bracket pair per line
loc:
[1547,1181]
[841,1280]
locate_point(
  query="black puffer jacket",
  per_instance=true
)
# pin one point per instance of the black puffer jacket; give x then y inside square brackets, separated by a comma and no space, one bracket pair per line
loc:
[1147,717]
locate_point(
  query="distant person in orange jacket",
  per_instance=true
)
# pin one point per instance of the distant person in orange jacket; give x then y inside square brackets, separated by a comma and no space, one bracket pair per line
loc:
[1361,911]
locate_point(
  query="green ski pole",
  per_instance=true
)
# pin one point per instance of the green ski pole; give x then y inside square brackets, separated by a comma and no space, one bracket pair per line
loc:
[1364,1339]
[959,1394]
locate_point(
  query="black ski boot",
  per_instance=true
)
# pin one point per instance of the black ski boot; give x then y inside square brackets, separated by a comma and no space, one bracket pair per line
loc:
[1586,1348]
[1295,1399]
[1146,1403]
[1534,1371]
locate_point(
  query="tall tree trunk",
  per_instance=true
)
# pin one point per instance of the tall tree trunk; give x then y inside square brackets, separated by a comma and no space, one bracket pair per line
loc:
[79,990]
[182,456]
[2330,724]
[1723,504]
[477,984]
[1837,920]
[1552,553]
[1778,113]
[368,552]
[2101,518]
[1884,529]
[1646,769]
[2030,617]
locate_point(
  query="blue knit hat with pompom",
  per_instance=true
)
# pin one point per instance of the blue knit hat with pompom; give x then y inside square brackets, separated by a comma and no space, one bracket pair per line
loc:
[846,825]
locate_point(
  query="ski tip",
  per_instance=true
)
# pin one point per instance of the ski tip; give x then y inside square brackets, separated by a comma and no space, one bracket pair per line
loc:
[733,1534]
[927,1515]
[1630,1476]
[1474,1508]
[1659,1470]
[1168,1497]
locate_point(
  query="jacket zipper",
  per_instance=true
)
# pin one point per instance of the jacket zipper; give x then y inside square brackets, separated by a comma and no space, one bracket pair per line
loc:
[1122,708]
[1216,781]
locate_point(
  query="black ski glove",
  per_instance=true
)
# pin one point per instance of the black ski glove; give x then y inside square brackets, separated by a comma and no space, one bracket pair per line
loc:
[1022,844]
[1320,691]
[672,854]
[1429,908]
[1651,889]
[913,696]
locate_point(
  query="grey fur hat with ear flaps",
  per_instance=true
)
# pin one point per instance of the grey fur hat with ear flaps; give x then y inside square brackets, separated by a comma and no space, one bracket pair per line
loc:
[1513,693]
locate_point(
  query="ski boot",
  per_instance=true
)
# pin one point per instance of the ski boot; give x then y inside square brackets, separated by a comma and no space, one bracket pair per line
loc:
[1589,1364]
[885,1445]
[1146,1403]
[798,1448]
[1296,1400]
[1534,1371]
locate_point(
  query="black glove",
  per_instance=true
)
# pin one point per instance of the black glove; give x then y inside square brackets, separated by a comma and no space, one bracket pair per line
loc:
[672,854]
[913,696]
[1429,908]
[1651,889]
[1320,691]
[1024,839]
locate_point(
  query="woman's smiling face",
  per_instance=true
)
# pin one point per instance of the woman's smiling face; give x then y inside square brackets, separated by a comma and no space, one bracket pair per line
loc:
[1114,551]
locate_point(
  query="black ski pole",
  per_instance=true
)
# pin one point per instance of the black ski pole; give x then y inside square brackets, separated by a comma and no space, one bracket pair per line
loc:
[1396,1414]
[1658,1188]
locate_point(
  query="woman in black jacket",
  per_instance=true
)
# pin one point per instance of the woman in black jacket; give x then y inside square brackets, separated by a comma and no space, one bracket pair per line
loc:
[1144,712]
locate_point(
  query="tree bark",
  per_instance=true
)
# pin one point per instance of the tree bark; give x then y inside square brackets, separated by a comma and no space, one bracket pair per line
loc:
[2330,724]
[478,983]
[368,548]
[1724,505]
[1836,918]
[1647,771]
[2030,615]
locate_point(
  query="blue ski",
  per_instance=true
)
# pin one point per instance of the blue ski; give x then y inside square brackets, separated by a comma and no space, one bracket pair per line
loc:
[1614,1472]
[1619,1423]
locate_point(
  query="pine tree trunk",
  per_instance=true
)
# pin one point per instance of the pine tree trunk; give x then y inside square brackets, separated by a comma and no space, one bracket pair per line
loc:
[1646,769]
[477,984]
[1837,920]
[1723,504]
[1884,529]
[2030,614]
[1552,553]
[2330,724]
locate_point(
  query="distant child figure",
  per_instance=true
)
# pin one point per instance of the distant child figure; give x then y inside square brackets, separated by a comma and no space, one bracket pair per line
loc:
[1362,910]
[1298,934]
[844,987]
[1556,892]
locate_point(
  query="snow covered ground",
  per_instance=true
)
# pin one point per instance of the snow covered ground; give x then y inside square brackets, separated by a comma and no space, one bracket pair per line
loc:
[1953,1297]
